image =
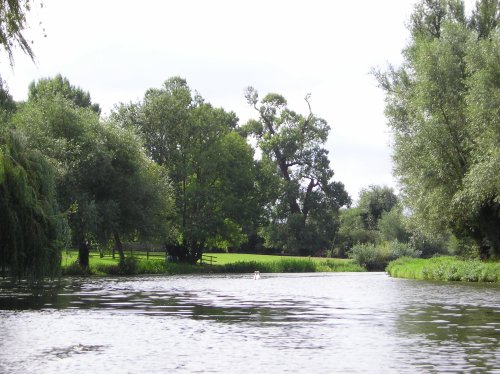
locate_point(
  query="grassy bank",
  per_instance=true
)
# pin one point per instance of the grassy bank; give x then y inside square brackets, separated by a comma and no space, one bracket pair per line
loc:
[445,269]
[223,263]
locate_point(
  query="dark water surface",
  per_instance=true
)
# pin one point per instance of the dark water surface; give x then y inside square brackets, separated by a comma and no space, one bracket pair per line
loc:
[314,323]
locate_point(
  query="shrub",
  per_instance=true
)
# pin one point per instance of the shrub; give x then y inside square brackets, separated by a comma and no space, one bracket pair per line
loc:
[377,257]
[128,266]
[75,269]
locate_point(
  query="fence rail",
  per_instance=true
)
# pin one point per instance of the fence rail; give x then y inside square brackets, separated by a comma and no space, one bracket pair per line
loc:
[149,250]
[208,259]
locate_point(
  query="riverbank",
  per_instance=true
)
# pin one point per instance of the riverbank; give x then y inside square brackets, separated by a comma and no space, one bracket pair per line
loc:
[221,263]
[445,269]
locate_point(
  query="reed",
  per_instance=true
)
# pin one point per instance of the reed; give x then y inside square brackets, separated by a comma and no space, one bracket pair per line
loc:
[264,264]
[445,268]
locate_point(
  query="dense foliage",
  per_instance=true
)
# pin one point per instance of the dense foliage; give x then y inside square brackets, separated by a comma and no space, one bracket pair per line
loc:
[60,86]
[32,232]
[443,106]
[377,217]
[377,257]
[210,165]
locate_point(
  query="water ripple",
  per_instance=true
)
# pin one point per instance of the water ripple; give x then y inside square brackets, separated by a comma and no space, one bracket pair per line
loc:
[292,323]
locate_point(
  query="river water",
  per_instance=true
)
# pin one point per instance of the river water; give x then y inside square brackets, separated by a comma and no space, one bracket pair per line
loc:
[281,323]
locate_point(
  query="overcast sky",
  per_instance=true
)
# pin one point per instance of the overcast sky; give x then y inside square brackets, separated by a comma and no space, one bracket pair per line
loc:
[117,49]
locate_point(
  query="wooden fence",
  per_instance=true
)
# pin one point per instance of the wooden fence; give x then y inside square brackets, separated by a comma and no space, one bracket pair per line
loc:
[208,259]
[154,250]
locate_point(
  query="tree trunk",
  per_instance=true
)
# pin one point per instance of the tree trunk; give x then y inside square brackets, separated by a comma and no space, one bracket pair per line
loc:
[294,205]
[83,254]
[282,163]
[489,226]
[195,252]
[119,247]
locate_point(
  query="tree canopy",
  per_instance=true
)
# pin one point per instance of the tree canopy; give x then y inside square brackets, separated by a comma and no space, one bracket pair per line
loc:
[373,202]
[210,165]
[47,87]
[103,174]
[443,106]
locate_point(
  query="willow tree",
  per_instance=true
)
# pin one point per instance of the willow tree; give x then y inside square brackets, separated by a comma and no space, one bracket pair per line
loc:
[69,137]
[443,106]
[305,216]
[132,193]
[12,26]
[104,177]
[32,228]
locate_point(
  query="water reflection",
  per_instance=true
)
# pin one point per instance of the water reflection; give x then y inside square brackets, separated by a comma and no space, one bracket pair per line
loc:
[216,306]
[64,352]
[295,323]
[468,336]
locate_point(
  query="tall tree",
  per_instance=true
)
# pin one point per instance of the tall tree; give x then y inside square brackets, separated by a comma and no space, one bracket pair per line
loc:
[103,174]
[133,194]
[70,138]
[485,17]
[373,202]
[210,165]
[304,218]
[443,107]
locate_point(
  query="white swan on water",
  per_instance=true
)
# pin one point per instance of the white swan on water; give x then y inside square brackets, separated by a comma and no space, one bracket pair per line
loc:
[256,275]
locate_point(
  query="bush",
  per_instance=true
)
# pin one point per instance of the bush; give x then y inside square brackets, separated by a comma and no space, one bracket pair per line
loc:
[465,248]
[377,257]
[129,266]
[430,244]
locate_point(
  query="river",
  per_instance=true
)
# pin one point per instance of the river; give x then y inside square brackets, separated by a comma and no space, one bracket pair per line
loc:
[281,323]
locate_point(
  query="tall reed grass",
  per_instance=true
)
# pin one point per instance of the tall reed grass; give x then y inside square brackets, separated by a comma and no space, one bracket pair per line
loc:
[135,266]
[445,269]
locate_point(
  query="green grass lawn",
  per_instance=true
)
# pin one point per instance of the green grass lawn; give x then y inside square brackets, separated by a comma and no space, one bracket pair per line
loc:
[229,258]
[222,263]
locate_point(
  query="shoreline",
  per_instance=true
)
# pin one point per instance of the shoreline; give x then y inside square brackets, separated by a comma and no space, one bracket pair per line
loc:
[263,264]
